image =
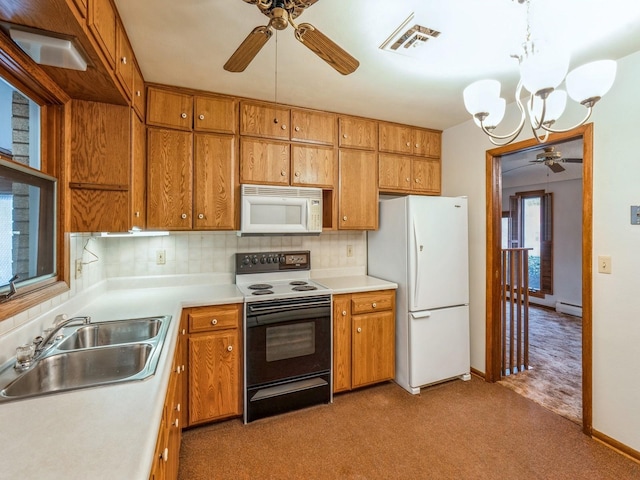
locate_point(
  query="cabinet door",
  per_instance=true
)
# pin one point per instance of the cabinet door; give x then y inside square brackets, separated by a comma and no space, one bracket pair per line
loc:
[373,348]
[394,172]
[263,120]
[313,127]
[426,143]
[215,114]
[341,343]
[426,175]
[174,435]
[124,61]
[264,162]
[214,182]
[169,109]
[139,101]
[358,190]
[138,172]
[357,133]
[102,24]
[214,376]
[313,166]
[169,179]
[395,138]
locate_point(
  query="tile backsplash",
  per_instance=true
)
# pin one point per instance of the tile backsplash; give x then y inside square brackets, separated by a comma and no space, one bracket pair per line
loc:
[189,253]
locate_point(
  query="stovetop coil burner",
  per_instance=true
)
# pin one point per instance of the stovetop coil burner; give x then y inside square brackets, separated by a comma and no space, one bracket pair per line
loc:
[262,292]
[304,288]
[298,282]
[260,286]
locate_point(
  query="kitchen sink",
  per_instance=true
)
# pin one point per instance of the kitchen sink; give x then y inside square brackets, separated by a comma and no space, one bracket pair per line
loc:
[111,333]
[92,355]
[81,369]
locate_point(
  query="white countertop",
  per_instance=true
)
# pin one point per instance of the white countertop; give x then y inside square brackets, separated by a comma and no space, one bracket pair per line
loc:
[110,432]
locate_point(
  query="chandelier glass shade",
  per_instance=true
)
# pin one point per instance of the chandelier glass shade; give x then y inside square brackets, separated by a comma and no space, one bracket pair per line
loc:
[542,72]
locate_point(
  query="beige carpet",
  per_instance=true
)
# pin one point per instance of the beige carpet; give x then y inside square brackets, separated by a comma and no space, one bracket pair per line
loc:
[555,356]
[457,430]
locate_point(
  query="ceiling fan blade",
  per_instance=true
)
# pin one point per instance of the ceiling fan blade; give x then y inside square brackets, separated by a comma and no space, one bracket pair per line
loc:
[556,167]
[326,49]
[248,49]
[572,160]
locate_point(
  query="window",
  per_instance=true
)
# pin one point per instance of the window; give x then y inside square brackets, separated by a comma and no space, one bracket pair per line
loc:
[531,226]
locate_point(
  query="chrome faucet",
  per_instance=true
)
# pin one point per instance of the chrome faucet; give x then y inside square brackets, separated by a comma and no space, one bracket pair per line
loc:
[41,345]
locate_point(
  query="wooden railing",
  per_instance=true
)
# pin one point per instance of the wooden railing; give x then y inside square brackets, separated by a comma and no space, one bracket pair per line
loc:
[515,310]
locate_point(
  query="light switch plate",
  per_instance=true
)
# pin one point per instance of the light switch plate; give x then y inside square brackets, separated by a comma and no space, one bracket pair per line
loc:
[635,214]
[604,263]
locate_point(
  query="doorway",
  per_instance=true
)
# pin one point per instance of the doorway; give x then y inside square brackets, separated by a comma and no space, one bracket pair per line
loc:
[494,244]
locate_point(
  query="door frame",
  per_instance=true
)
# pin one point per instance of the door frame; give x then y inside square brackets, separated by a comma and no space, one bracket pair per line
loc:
[493,245]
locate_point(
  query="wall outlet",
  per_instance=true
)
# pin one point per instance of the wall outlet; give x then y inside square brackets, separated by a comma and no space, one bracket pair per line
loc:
[604,264]
[161,257]
[349,250]
[78,268]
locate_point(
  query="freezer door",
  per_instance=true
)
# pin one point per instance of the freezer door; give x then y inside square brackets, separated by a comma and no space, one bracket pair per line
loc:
[437,252]
[439,345]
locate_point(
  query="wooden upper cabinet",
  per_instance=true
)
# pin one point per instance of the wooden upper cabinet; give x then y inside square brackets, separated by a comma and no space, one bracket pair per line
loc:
[264,120]
[357,133]
[394,172]
[102,24]
[169,179]
[215,190]
[139,100]
[138,172]
[81,6]
[264,162]
[166,108]
[215,114]
[313,166]
[125,64]
[358,190]
[426,175]
[403,139]
[313,127]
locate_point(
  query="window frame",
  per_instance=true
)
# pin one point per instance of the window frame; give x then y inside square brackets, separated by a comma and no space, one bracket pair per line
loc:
[29,78]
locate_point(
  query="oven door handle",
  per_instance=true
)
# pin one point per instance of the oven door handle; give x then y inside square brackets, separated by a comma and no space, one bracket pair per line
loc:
[272,308]
[287,316]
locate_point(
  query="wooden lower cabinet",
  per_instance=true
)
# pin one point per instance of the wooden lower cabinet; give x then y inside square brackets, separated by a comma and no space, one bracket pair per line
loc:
[363,339]
[214,363]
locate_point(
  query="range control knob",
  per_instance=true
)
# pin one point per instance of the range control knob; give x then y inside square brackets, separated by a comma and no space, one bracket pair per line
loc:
[246,261]
[263,260]
[282,259]
[254,260]
[269,259]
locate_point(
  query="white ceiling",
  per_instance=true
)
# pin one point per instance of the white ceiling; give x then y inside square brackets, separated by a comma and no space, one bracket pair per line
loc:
[186,43]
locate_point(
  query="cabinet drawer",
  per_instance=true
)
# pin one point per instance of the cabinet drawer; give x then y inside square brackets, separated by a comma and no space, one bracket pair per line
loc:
[218,318]
[372,302]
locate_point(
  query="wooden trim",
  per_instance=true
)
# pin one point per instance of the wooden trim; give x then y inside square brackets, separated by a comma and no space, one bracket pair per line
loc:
[478,373]
[99,186]
[22,301]
[616,445]
[493,241]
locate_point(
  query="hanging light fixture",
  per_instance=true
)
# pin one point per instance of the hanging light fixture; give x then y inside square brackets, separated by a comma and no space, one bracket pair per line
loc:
[542,70]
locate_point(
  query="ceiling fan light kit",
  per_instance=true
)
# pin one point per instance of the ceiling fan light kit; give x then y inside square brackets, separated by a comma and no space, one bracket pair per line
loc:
[542,71]
[281,14]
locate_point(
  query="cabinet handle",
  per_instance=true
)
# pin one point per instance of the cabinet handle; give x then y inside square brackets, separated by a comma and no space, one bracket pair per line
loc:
[201,216]
[165,454]
[214,321]
[297,129]
[344,219]
[183,216]
[373,305]
[344,313]
[124,60]
[297,174]
[201,117]
[283,173]
[284,127]
[230,348]
[359,330]
[183,115]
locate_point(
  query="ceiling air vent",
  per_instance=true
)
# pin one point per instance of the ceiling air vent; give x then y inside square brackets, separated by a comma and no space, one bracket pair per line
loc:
[409,37]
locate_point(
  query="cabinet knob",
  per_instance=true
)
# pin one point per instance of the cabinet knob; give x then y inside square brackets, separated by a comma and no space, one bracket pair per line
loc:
[177,407]
[183,216]
[408,179]
[230,348]
[176,423]
[137,214]
[201,117]
[417,180]
[124,60]
[344,135]
[297,174]
[417,145]
[165,454]
[184,331]
[359,330]
[344,313]
[214,321]
[297,129]
[284,127]
[138,93]
[373,305]
[183,115]
[344,219]
[283,173]
[408,144]
[201,216]
[178,369]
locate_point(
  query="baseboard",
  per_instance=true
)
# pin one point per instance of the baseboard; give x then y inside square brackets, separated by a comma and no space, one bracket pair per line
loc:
[478,373]
[616,445]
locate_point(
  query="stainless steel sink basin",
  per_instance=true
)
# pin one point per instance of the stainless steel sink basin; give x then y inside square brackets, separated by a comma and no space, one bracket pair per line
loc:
[112,333]
[81,369]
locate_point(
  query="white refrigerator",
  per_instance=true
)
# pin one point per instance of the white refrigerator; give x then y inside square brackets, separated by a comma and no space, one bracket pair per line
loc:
[422,245]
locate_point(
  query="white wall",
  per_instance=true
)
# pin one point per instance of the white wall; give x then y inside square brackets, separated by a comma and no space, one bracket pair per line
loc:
[616,314]
[567,239]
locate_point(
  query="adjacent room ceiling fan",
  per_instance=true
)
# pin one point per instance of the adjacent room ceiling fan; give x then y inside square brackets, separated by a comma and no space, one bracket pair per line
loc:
[281,13]
[553,158]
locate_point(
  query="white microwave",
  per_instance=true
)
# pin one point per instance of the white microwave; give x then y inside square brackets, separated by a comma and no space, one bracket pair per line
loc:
[271,210]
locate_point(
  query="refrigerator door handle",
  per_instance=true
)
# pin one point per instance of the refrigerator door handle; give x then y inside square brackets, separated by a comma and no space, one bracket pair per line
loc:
[419,315]
[418,249]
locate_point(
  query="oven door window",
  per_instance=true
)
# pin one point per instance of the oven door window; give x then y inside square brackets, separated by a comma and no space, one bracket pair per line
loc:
[290,341]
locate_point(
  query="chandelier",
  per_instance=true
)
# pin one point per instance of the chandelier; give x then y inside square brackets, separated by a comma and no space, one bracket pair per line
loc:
[542,71]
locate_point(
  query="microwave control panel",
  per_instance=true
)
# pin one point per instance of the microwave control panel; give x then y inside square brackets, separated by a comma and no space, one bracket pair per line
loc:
[265,262]
[315,216]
